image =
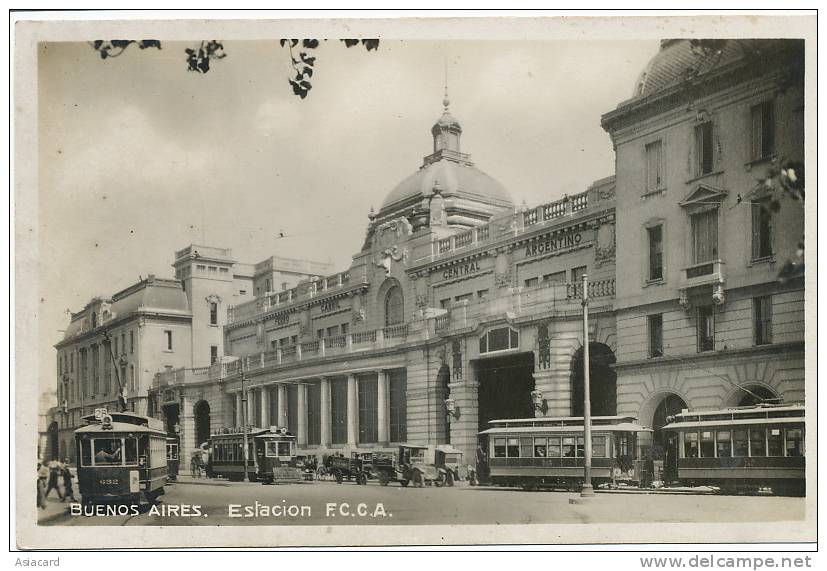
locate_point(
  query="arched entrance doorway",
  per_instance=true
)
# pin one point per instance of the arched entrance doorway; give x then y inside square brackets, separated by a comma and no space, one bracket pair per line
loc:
[602,381]
[751,395]
[202,422]
[505,385]
[664,444]
[53,444]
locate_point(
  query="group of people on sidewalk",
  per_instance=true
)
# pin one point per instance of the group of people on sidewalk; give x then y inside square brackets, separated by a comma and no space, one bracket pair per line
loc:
[49,476]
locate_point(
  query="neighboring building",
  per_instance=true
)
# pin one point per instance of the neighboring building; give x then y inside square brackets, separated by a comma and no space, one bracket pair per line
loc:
[702,319]
[455,309]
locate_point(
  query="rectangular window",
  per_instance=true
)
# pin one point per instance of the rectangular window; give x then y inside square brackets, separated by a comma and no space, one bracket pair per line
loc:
[95,370]
[513,447]
[131,342]
[345,328]
[168,339]
[314,413]
[499,448]
[463,297]
[705,323]
[775,442]
[568,447]
[213,313]
[723,442]
[319,333]
[655,234]
[703,148]
[655,323]
[554,449]
[761,230]
[740,443]
[107,367]
[577,274]
[368,410]
[707,444]
[482,294]
[705,236]
[532,282]
[445,303]
[555,278]
[132,378]
[116,346]
[540,448]
[338,411]
[581,447]
[762,319]
[793,442]
[398,386]
[526,447]
[598,446]
[763,130]
[72,362]
[332,331]
[757,442]
[690,444]
[213,354]
[654,166]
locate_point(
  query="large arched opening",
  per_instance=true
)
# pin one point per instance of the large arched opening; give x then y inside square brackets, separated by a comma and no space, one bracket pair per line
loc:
[202,422]
[660,448]
[753,394]
[602,381]
[53,451]
[505,385]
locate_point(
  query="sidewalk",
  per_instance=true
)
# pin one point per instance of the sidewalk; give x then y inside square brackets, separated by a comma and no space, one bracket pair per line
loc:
[55,509]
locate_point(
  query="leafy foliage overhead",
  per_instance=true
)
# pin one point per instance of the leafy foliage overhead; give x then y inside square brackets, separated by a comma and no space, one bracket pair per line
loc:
[198,58]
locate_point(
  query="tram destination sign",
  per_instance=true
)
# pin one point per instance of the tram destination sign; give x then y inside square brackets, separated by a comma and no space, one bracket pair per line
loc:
[553,244]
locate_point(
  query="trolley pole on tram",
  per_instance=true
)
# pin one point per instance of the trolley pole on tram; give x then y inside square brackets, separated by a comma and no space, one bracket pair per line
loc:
[244,421]
[587,490]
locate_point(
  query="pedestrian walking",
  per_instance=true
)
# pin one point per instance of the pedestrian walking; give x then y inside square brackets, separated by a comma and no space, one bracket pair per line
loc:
[42,475]
[54,473]
[68,490]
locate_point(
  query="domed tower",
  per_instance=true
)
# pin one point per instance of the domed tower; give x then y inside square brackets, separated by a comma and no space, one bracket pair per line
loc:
[447,190]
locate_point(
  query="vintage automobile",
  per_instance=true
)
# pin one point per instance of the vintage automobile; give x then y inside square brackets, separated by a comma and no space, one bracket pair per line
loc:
[358,467]
[411,464]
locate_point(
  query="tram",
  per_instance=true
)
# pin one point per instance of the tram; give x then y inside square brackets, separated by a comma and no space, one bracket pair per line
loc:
[549,452]
[122,458]
[741,448]
[271,455]
[173,456]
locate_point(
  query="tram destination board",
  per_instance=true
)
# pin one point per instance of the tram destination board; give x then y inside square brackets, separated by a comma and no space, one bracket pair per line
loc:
[413,281]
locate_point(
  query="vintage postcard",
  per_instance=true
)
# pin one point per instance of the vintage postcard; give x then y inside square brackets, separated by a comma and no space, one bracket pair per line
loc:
[414,281]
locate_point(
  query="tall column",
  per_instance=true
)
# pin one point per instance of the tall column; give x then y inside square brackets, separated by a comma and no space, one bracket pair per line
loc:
[187,435]
[352,411]
[282,405]
[265,407]
[382,407]
[325,411]
[251,406]
[238,405]
[301,402]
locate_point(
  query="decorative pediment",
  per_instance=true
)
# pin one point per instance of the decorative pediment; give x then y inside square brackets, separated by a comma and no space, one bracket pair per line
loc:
[704,195]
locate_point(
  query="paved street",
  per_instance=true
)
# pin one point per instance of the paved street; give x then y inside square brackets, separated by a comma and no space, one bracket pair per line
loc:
[327,503]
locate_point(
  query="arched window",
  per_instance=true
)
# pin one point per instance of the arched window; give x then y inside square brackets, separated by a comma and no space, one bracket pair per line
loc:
[394,306]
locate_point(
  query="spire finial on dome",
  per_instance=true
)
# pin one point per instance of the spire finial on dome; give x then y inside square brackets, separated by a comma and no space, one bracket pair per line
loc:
[445,101]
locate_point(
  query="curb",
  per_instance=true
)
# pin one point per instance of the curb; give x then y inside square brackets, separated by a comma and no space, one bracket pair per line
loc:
[46,518]
[198,483]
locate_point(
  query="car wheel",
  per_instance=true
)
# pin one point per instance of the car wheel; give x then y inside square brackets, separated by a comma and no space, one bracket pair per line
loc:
[404,483]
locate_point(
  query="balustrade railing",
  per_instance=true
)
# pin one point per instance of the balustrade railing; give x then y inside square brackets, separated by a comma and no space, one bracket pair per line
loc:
[396,331]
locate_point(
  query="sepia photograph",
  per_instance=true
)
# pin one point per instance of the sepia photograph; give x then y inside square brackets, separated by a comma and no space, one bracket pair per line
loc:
[413,281]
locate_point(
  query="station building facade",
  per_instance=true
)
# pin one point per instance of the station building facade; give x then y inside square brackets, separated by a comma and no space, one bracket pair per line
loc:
[706,318]
[457,306]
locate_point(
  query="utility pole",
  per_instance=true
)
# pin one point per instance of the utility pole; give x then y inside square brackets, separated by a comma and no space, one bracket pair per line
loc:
[244,420]
[587,490]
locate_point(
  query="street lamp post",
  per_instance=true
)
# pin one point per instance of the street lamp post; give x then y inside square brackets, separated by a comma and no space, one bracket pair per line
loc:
[244,420]
[587,490]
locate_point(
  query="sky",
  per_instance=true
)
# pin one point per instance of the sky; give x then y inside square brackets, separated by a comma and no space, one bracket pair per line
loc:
[139,157]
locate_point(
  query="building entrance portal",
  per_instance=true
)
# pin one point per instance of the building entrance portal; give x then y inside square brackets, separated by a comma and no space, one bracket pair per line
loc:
[602,381]
[505,385]
[664,451]
[202,422]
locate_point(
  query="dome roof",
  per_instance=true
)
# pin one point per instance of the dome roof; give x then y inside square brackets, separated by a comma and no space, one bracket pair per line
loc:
[682,59]
[454,178]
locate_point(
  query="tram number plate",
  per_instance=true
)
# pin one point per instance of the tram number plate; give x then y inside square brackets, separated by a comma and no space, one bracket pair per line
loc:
[109,482]
[134,481]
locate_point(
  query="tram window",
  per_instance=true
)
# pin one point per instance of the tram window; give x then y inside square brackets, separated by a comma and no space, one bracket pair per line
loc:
[598,446]
[581,446]
[553,447]
[540,448]
[690,444]
[513,447]
[757,442]
[85,453]
[271,449]
[131,451]
[622,445]
[739,441]
[107,451]
[775,444]
[568,447]
[707,445]
[499,448]
[724,444]
[525,447]
[793,442]
[284,449]
[231,452]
